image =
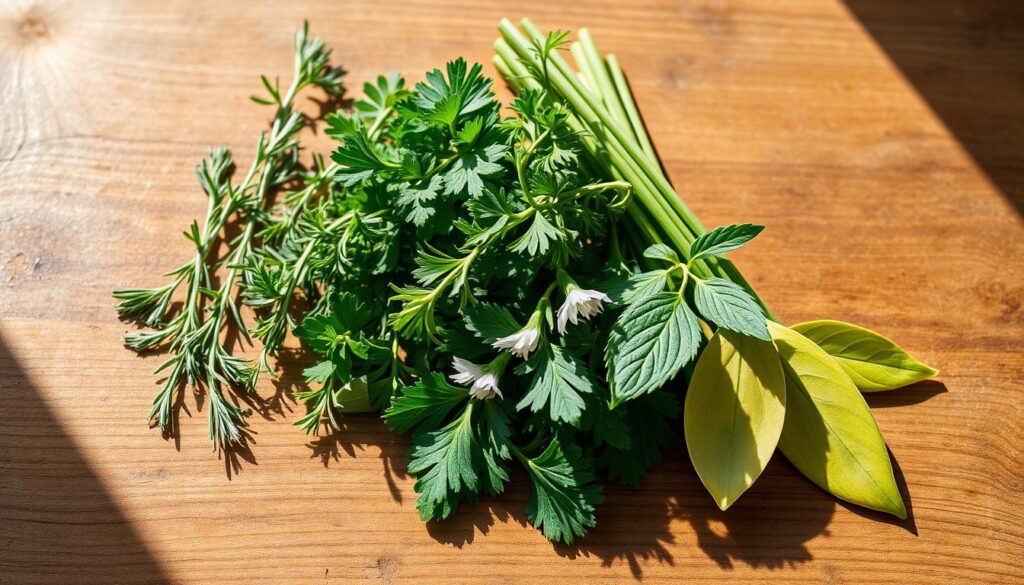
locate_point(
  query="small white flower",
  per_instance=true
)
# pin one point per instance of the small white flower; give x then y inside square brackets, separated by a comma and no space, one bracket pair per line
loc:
[520,343]
[485,387]
[484,383]
[580,302]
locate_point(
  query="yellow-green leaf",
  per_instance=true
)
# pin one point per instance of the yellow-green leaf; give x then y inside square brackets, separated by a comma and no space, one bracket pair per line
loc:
[735,408]
[829,434]
[873,362]
[355,396]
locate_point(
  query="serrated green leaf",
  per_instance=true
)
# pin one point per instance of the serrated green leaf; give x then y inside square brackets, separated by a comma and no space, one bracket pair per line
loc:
[829,433]
[564,492]
[734,412]
[490,321]
[319,373]
[723,239]
[873,362]
[380,97]
[462,92]
[424,405]
[538,237]
[651,421]
[558,383]
[662,252]
[359,160]
[445,465]
[419,200]
[727,305]
[651,341]
[474,163]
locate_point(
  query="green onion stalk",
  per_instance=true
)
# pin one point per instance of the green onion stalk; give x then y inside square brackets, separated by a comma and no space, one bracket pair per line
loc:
[605,113]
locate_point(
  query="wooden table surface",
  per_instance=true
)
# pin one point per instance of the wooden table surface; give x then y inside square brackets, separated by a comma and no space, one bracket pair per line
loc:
[880,142]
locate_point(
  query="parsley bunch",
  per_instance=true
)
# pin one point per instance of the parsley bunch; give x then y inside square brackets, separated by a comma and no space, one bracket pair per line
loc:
[514,288]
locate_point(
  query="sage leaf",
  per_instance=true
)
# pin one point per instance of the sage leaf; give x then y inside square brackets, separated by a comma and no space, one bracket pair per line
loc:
[651,341]
[727,305]
[734,413]
[723,239]
[829,433]
[873,362]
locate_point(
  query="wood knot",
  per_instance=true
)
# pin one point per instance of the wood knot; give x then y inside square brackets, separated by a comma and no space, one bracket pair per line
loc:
[32,27]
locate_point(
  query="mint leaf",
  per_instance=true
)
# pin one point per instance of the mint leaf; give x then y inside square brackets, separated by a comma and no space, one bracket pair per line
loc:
[644,286]
[727,305]
[723,239]
[662,252]
[559,381]
[444,465]
[651,341]
[424,405]
[564,492]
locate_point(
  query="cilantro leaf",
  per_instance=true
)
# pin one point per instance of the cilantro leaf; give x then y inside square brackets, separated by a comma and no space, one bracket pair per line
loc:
[723,239]
[424,405]
[559,381]
[564,492]
[727,305]
[651,341]
[445,464]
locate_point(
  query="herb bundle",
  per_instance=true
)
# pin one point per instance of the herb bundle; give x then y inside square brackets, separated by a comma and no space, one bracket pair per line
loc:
[518,289]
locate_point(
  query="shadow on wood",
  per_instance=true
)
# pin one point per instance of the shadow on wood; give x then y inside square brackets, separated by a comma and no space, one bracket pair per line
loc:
[964,59]
[60,524]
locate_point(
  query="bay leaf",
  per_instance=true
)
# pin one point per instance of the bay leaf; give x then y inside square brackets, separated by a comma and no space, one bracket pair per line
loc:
[829,433]
[873,362]
[734,413]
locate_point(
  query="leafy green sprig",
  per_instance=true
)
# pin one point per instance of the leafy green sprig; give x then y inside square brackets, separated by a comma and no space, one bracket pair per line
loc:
[193,334]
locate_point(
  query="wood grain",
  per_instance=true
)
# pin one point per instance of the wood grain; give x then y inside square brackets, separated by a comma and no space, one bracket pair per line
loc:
[788,113]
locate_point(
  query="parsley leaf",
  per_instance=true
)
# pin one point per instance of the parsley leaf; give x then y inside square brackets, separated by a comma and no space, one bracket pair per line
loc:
[424,405]
[475,162]
[445,465]
[461,93]
[359,160]
[489,321]
[564,492]
[558,383]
